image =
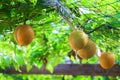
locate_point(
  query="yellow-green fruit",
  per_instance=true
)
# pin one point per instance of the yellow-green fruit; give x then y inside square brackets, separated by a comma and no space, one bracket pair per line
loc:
[107,60]
[23,35]
[77,39]
[88,51]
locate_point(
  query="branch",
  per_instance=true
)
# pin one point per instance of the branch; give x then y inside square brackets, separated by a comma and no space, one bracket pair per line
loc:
[69,17]
[95,29]
[103,25]
[66,14]
[69,69]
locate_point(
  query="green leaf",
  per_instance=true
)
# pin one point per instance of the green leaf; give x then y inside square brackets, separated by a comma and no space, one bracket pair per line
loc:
[29,67]
[20,60]
[17,67]
[50,68]
[73,59]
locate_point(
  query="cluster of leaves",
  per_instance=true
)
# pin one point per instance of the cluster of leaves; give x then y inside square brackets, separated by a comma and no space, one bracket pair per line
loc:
[99,19]
[47,43]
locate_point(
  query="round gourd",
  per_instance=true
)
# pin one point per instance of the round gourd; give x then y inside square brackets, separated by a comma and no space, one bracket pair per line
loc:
[77,39]
[88,51]
[107,60]
[23,35]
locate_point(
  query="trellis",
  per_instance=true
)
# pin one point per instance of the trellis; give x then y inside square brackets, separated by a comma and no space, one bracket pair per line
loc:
[68,69]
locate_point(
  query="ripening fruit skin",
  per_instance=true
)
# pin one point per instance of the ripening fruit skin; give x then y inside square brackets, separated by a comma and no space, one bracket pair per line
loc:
[107,60]
[23,35]
[77,39]
[88,51]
